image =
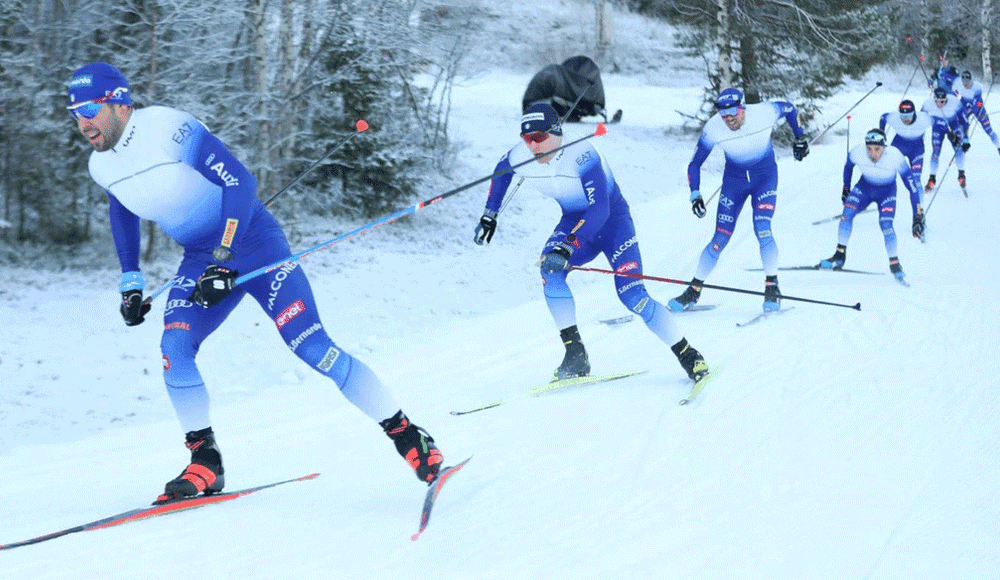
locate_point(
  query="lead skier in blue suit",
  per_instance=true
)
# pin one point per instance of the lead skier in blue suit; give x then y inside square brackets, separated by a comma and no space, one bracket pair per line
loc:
[744,133]
[595,219]
[163,165]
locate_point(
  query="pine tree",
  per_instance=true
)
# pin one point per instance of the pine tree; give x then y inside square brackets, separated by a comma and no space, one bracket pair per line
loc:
[800,51]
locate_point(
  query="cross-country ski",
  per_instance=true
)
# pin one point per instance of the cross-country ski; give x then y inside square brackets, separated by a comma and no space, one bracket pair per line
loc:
[433,491]
[552,387]
[154,511]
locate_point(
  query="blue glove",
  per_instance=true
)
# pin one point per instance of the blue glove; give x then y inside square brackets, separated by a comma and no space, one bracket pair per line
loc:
[697,204]
[557,259]
[965,144]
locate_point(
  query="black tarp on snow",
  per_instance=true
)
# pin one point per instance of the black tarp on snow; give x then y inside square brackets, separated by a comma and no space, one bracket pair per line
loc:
[561,85]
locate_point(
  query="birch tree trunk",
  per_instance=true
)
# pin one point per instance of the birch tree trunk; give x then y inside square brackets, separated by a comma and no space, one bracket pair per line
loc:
[722,36]
[604,29]
[985,16]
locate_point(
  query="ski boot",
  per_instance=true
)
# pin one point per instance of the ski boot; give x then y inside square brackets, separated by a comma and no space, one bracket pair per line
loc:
[961,178]
[575,363]
[896,269]
[772,296]
[688,298]
[930,184]
[691,360]
[203,474]
[836,262]
[415,445]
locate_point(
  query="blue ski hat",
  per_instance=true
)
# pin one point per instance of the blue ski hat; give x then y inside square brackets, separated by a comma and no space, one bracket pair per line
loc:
[540,117]
[98,80]
[729,101]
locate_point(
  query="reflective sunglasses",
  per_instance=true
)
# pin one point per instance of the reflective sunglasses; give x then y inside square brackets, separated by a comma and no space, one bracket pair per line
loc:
[536,137]
[907,116]
[87,109]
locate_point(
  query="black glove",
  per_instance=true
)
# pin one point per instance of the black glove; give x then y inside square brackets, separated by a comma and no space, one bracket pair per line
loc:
[953,137]
[965,144]
[697,204]
[213,286]
[846,192]
[133,309]
[918,225]
[800,148]
[557,259]
[487,226]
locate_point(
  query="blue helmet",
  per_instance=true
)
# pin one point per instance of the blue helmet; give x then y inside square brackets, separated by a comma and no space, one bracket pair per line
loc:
[729,101]
[940,93]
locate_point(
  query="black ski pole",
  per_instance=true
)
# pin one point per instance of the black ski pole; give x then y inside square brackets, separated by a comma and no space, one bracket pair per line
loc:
[361,127]
[909,84]
[712,286]
[920,59]
[830,126]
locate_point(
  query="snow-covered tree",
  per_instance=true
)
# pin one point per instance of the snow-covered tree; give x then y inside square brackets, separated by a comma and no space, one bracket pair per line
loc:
[797,50]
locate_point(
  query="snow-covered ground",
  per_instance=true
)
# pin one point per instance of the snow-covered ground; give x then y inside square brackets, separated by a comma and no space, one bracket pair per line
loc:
[832,444]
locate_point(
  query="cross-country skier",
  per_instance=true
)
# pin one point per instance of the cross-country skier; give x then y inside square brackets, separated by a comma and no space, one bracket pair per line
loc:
[163,165]
[595,219]
[948,108]
[744,133]
[910,126]
[879,165]
[944,77]
[971,93]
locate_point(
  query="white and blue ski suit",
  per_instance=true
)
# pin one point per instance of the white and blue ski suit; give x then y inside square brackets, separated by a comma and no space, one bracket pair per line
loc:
[909,138]
[750,172]
[877,184]
[595,212]
[952,122]
[972,102]
[168,168]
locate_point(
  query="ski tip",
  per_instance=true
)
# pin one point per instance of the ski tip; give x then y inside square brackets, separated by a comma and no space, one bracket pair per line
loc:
[414,537]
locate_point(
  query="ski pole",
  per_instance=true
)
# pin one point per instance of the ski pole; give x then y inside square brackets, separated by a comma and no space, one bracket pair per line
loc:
[830,126]
[361,127]
[820,136]
[912,76]
[601,130]
[838,216]
[712,286]
[920,59]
